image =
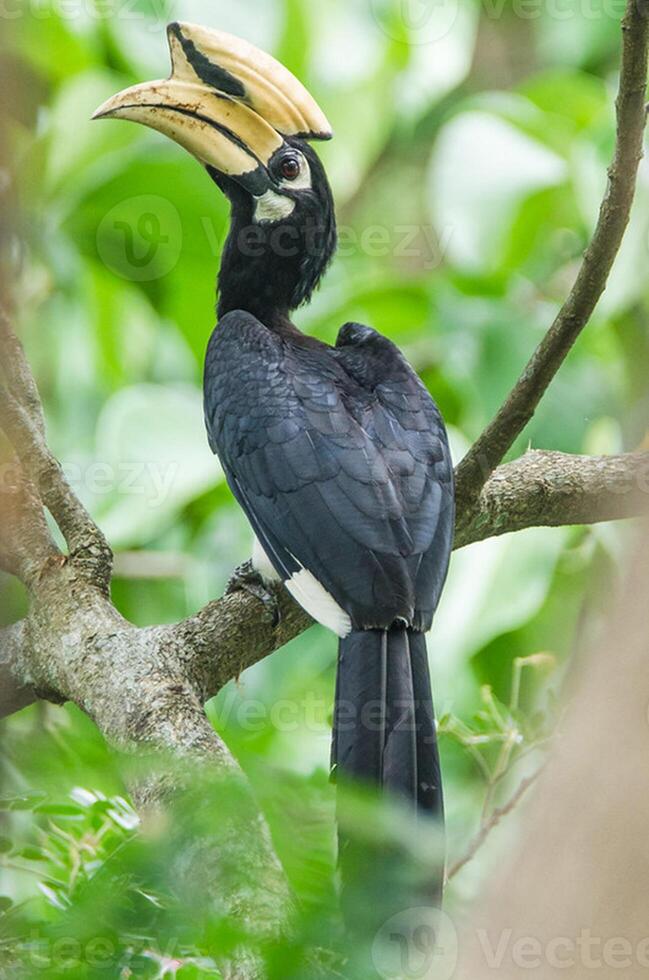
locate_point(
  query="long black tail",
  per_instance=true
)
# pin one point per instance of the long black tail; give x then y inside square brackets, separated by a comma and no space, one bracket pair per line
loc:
[384,724]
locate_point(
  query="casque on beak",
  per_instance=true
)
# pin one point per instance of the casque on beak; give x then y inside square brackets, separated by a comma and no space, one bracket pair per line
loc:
[226,102]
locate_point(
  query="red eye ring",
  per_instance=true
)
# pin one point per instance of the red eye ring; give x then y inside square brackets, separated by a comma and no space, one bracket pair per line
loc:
[290,168]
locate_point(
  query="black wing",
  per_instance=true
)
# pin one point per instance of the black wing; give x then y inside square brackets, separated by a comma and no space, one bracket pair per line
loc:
[340,460]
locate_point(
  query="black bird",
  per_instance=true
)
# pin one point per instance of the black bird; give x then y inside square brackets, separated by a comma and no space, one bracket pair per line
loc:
[337,455]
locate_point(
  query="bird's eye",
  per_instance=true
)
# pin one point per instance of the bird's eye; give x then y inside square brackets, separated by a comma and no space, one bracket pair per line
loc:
[290,168]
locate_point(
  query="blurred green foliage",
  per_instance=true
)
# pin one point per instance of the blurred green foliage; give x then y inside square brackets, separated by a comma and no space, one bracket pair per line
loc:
[469,161]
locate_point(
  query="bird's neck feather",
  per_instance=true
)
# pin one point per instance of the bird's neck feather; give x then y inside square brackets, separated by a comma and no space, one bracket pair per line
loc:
[269,270]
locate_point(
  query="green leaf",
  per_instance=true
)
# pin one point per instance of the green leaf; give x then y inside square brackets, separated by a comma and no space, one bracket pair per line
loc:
[428,79]
[59,810]
[32,854]
[152,441]
[480,212]
[517,568]
[77,142]
[26,802]
[580,98]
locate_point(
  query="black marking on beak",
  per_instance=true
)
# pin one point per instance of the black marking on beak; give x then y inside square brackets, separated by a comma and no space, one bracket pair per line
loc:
[209,73]
[256,182]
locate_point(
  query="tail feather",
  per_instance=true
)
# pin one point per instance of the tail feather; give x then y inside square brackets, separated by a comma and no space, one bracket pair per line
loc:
[399,773]
[384,725]
[430,796]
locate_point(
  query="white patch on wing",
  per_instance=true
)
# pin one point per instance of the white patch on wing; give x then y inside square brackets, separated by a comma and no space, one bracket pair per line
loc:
[262,563]
[273,207]
[315,599]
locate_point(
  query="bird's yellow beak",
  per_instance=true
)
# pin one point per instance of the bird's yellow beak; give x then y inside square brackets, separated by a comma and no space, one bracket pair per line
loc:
[228,103]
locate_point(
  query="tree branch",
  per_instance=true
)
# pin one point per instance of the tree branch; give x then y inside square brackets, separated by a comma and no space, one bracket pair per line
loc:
[501,433]
[21,419]
[551,489]
[14,694]
[26,544]
[74,646]
[497,815]
[233,633]
[548,489]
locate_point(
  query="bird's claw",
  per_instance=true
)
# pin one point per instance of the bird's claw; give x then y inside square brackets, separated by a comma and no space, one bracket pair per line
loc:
[246,579]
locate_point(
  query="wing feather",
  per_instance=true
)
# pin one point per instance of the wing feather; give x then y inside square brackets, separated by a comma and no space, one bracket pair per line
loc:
[340,460]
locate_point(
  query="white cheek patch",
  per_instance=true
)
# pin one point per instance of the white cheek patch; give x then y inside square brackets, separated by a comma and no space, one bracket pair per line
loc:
[273,207]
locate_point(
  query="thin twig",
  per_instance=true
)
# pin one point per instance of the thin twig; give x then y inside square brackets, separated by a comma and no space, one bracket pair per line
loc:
[493,821]
[501,433]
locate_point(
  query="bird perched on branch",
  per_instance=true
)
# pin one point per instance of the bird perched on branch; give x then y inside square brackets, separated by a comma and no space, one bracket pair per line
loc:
[337,455]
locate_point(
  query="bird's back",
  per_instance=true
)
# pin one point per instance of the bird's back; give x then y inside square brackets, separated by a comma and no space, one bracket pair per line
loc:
[340,459]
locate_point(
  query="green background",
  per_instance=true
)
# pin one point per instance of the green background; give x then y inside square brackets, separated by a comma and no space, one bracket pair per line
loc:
[469,162]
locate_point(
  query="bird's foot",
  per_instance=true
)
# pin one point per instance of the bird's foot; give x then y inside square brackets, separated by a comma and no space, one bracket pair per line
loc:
[246,578]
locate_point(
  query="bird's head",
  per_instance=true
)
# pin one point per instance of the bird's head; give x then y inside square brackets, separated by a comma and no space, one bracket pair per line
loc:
[248,120]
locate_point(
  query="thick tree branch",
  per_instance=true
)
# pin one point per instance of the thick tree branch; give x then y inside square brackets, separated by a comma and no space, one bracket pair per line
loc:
[553,489]
[19,375]
[518,409]
[541,489]
[74,646]
[203,653]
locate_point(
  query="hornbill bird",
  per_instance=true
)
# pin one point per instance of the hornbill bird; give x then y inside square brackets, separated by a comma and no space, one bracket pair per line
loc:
[337,455]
